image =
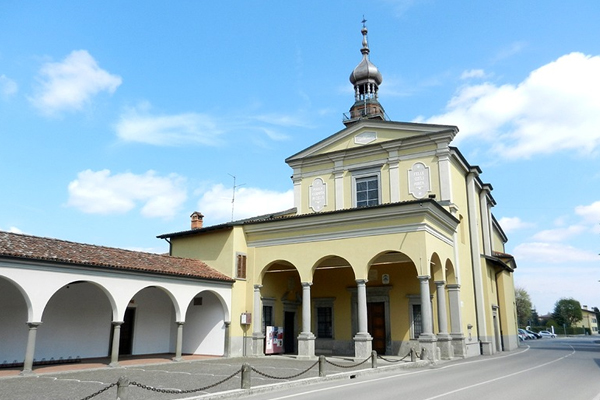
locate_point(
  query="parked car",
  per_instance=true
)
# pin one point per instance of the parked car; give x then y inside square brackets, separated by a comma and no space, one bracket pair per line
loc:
[547,334]
[522,336]
[527,335]
[537,335]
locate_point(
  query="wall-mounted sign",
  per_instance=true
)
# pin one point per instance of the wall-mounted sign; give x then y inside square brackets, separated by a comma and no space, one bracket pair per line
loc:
[318,194]
[419,183]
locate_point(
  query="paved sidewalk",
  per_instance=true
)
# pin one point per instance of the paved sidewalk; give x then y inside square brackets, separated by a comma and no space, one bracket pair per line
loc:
[77,381]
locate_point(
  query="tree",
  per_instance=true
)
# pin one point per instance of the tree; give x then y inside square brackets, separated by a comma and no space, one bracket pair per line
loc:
[567,311]
[523,303]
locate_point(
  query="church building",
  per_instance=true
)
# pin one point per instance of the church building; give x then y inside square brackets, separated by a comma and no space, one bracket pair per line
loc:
[391,246]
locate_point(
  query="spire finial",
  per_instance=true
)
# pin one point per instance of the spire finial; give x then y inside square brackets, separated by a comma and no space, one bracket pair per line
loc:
[364,21]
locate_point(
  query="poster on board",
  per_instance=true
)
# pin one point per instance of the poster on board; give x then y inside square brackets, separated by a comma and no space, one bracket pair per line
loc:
[274,339]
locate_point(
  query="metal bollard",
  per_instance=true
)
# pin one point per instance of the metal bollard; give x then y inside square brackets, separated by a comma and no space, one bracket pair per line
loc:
[422,354]
[123,388]
[322,367]
[246,371]
[413,356]
[373,359]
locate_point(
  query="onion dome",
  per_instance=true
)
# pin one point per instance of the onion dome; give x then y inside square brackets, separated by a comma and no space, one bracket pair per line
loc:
[365,72]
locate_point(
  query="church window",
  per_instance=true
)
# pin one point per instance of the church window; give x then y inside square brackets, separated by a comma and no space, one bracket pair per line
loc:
[367,191]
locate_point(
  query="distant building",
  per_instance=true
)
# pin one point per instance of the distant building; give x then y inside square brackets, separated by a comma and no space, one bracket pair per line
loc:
[589,320]
[391,245]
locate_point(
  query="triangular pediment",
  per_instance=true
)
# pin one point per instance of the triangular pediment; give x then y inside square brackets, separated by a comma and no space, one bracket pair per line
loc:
[374,133]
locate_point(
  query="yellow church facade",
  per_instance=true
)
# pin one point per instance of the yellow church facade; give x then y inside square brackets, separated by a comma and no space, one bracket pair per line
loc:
[391,246]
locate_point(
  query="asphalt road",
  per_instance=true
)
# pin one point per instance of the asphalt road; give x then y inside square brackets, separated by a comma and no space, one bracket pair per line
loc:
[565,369]
[541,369]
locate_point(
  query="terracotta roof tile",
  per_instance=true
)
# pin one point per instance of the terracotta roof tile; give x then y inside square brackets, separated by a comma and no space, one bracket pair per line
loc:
[61,251]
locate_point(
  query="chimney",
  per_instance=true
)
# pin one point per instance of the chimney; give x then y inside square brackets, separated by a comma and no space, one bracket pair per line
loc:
[196,220]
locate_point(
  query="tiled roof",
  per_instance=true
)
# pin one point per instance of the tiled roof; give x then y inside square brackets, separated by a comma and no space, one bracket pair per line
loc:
[60,251]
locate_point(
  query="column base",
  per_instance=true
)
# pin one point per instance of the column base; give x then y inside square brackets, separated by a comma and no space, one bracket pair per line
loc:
[363,345]
[28,372]
[306,346]
[428,342]
[114,364]
[458,345]
[444,345]
[258,345]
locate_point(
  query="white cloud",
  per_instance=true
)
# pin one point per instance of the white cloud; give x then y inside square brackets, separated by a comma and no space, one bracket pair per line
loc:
[139,125]
[511,224]
[590,213]
[552,253]
[216,204]
[555,108]
[559,234]
[70,84]
[102,193]
[8,87]
[473,73]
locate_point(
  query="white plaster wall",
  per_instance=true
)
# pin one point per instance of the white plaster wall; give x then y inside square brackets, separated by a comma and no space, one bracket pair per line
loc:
[13,327]
[204,329]
[41,281]
[76,323]
[154,322]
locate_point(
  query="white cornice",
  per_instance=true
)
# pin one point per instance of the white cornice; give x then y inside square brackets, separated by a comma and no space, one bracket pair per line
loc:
[294,230]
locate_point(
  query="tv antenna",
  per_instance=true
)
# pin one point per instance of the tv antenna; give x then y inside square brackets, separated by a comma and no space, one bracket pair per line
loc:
[233,194]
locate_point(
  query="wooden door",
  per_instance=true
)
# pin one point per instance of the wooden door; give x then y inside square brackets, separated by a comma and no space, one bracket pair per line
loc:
[376,321]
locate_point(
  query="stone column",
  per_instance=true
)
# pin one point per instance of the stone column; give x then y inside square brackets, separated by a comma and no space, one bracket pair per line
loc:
[258,338]
[427,339]
[227,349]
[363,342]
[444,340]
[30,350]
[116,341]
[179,343]
[456,333]
[306,339]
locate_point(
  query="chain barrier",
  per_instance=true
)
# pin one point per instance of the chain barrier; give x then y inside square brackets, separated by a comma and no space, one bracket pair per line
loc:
[180,391]
[418,355]
[284,377]
[100,391]
[348,366]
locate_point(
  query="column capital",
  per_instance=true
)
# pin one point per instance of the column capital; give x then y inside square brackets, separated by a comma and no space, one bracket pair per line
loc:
[440,283]
[33,325]
[423,277]
[307,284]
[257,287]
[361,281]
[180,323]
[453,286]
[117,323]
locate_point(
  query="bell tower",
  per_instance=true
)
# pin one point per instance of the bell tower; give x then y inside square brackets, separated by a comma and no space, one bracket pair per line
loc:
[366,79]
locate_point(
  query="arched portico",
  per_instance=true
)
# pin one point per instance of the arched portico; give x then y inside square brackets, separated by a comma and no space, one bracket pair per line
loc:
[75,323]
[15,311]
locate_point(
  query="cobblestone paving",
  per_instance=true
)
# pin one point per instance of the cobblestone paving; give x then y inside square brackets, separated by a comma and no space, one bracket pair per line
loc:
[186,375]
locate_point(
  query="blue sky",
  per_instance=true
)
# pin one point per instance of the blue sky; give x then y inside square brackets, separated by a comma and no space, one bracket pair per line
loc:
[119,119]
